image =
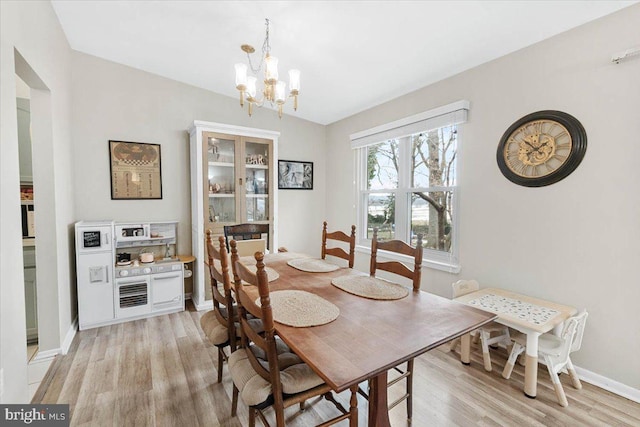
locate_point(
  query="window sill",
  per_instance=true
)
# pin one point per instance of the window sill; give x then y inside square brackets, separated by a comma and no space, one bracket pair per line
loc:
[449,267]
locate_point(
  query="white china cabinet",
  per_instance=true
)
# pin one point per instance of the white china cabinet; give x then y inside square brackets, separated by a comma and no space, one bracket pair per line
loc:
[233,181]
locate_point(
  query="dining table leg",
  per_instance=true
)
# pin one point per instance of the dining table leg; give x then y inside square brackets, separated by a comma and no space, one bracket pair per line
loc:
[531,365]
[378,405]
[465,349]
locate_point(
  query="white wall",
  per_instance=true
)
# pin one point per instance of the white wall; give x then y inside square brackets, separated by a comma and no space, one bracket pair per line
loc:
[33,30]
[113,101]
[573,242]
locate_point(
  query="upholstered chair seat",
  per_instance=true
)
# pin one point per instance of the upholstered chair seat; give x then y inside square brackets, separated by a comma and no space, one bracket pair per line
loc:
[218,334]
[295,375]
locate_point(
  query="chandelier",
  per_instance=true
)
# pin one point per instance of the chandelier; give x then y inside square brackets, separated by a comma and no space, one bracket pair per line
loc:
[274,90]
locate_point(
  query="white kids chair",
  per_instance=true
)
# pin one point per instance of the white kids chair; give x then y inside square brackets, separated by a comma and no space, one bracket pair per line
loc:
[555,351]
[501,332]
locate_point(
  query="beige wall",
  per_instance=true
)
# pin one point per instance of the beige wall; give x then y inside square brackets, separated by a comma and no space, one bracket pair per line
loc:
[574,242]
[33,30]
[113,101]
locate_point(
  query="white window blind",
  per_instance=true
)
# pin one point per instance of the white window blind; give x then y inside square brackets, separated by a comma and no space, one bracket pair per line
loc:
[454,113]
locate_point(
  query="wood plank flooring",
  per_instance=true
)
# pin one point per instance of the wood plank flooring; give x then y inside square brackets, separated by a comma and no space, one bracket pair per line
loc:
[161,372]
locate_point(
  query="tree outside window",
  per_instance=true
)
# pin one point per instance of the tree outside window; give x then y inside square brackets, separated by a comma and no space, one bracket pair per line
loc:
[410,188]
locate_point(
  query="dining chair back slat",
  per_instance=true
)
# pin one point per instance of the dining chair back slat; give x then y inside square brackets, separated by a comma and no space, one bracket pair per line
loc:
[396,268]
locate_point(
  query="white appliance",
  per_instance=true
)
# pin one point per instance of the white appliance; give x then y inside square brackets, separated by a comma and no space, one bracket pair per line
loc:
[149,288]
[112,293]
[94,264]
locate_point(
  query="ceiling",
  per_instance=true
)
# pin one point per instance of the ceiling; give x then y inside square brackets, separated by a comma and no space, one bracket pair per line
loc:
[352,54]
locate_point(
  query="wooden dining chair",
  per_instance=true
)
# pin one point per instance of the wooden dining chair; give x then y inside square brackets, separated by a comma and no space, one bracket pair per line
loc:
[342,237]
[554,351]
[247,232]
[264,370]
[217,323]
[491,333]
[396,267]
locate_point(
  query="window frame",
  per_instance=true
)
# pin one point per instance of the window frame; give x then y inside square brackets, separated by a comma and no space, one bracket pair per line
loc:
[432,258]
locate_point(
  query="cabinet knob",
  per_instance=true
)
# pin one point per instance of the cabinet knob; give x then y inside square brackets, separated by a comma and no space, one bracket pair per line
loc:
[240,179]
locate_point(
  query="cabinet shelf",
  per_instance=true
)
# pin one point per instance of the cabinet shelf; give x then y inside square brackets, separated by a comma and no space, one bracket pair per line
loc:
[222,195]
[223,164]
[259,196]
[256,166]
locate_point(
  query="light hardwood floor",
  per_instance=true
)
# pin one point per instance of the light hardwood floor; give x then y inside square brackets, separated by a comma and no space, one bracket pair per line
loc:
[161,371]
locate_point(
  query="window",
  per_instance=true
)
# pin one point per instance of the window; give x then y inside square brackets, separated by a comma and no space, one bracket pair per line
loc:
[407,182]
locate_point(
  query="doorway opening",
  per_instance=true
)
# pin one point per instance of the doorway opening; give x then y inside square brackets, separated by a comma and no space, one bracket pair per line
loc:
[35,125]
[27,208]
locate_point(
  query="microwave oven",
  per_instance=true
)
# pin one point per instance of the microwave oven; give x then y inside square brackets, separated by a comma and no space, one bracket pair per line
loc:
[132,232]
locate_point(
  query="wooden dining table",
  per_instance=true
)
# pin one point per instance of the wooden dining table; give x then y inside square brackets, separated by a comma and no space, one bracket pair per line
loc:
[369,337]
[531,316]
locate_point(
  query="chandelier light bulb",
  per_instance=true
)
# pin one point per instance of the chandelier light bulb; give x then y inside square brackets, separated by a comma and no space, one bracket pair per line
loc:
[241,76]
[271,69]
[281,88]
[251,87]
[294,81]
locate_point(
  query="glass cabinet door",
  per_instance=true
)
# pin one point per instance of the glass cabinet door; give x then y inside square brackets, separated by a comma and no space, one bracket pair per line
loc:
[237,183]
[220,181]
[258,187]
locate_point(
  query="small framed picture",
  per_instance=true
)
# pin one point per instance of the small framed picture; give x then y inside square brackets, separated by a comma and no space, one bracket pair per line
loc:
[295,175]
[135,170]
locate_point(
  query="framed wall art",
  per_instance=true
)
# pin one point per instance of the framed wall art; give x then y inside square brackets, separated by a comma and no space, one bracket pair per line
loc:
[295,175]
[135,170]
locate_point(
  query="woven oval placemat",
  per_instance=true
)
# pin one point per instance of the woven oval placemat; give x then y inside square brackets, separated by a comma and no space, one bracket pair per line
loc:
[301,309]
[271,274]
[312,265]
[370,287]
[247,260]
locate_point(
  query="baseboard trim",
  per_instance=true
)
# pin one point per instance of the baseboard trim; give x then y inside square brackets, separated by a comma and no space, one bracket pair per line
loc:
[45,355]
[71,333]
[207,305]
[609,384]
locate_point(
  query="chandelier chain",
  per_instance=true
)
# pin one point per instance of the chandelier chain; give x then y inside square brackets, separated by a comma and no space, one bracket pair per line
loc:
[266,48]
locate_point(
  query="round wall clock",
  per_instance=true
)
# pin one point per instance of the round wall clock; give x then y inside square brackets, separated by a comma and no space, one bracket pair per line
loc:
[541,148]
